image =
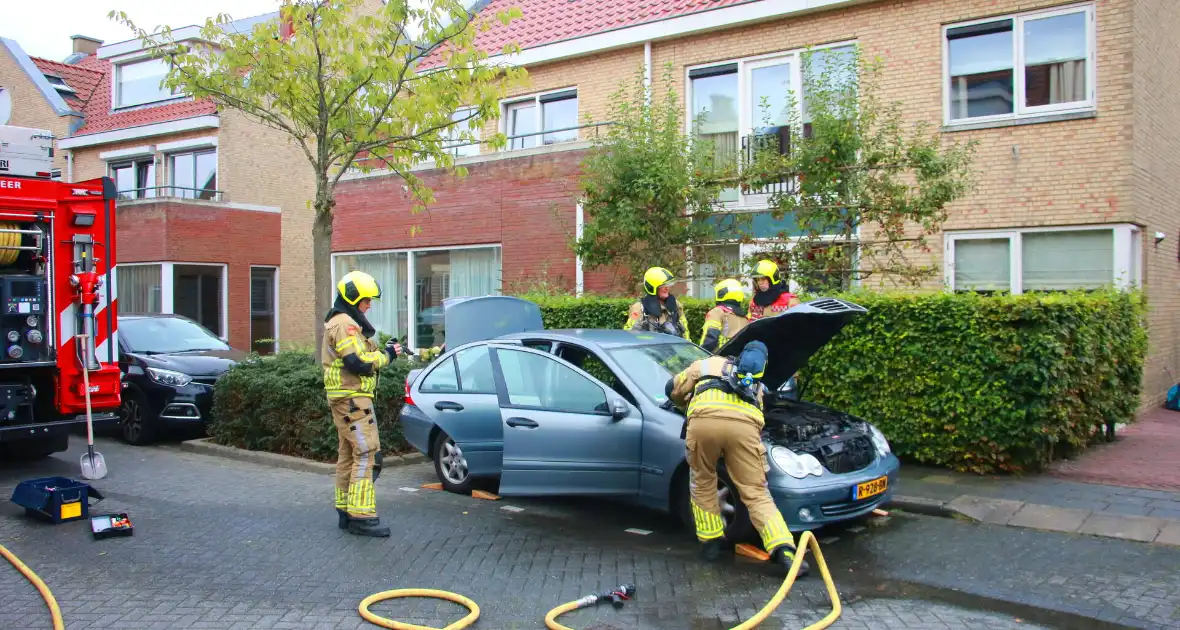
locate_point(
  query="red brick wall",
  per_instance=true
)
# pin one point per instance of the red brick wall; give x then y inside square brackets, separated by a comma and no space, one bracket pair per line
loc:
[169,231]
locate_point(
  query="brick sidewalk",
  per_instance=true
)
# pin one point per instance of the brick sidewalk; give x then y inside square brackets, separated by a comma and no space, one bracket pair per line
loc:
[1145,455]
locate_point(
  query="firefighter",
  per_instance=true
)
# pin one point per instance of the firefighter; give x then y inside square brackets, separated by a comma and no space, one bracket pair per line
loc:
[657,311]
[351,361]
[725,319]
[724,400]
[771,296]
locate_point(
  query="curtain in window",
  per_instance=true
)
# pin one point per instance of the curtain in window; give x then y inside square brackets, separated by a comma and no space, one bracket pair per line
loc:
[138,288]
[1068,260]
[983,264]
[389,314]
[475,272]
[1067,82]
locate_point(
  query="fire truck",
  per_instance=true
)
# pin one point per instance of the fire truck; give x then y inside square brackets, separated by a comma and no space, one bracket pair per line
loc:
[57,300]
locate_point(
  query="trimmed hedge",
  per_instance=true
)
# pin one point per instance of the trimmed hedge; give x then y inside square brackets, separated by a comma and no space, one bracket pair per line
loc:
[968,382]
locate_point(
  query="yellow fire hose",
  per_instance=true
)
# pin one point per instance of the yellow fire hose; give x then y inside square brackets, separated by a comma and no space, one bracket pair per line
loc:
[54,611]
[807,542]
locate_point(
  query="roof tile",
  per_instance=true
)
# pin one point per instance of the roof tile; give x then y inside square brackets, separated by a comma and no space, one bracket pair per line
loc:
[100,117]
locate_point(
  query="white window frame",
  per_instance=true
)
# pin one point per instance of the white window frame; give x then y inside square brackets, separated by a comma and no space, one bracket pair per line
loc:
[170,165]
[134,161]
[508,104]
[411,296]
[1020,110]
[454,145]
[116,81]
[1127,252]
[167,295]
[275,290]
[747,249]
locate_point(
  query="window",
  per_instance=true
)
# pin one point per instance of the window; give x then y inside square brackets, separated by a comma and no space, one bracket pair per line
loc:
[139,289]
[1025,65]
[141,82]
[5,106]
[442,379]
[263,315]
[534,380]
[136,179]
[552,116]
[60,85]
[390,313]
[591,364]
[716,263]
[457,146]
[196,291]
[475,370]
[1043,259]
[194,175]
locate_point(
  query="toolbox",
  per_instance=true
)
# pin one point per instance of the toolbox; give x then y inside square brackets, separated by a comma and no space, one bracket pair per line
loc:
[111,526]
[55,499]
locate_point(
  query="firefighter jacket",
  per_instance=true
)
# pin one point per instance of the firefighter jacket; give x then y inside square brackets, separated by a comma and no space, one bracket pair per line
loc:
[780,302]
[351,361]
[722,322]
[650,314]
[706,388]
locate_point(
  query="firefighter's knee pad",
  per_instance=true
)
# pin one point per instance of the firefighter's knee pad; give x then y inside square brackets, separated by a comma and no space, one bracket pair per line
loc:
[378,461]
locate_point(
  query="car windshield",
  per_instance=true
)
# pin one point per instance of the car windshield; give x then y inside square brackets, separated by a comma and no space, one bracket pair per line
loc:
[651,366]
[167,335]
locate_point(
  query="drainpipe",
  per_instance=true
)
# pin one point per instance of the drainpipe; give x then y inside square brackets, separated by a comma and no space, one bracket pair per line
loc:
[69,166]
[647,72]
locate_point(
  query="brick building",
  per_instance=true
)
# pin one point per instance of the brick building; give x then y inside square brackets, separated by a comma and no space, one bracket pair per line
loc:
[1073,104]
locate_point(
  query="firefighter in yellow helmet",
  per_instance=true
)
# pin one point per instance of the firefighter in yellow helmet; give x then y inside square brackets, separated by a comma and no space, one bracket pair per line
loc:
[725,319]
[657,311]
[351,361]
[771,295]
[724,399]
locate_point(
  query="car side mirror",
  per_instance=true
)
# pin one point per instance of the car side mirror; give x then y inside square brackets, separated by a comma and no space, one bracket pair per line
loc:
[619,408]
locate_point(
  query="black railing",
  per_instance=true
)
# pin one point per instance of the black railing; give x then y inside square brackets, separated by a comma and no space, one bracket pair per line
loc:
[774,139]
[170,193]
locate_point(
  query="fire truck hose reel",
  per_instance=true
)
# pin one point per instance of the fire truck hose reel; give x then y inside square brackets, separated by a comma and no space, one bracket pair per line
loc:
[9,241]
[46,594]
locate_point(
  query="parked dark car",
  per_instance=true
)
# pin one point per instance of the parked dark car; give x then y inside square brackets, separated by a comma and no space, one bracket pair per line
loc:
[169,365]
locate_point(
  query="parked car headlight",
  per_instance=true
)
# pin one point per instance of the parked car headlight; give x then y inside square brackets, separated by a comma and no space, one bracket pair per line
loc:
[879,440]
[168,377]
[794,464]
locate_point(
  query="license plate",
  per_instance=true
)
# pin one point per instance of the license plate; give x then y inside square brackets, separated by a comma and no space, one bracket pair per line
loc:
[870,488]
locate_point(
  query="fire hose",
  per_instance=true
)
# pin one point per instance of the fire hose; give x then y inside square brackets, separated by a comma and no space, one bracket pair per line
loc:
[46,594]
[616,596]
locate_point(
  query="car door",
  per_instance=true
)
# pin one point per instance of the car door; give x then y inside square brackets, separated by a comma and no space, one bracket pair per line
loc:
[459,394]
[560,435]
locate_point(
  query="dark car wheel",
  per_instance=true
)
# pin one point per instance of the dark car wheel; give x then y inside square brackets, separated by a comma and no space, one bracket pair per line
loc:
[135,422]
[738,528]
[451,465]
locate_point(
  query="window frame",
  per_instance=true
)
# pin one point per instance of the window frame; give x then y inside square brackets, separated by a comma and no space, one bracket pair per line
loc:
[182,192]
[1020,111]
[1126,252]
[151,192]
[746,249]
[167,286]
[456,146]
[538,100]
[117,83]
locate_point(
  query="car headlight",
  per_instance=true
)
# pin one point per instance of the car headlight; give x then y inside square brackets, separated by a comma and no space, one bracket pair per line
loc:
[168,377]
[794,464]
[879,440]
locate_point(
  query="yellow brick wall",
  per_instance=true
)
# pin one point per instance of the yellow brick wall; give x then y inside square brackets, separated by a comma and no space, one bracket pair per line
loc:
[29,107]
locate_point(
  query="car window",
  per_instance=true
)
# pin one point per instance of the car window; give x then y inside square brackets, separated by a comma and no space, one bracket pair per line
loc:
[475,371]
[538,344]
[651,366]
[442,378]
[594,366]
[167,335]
[534,380]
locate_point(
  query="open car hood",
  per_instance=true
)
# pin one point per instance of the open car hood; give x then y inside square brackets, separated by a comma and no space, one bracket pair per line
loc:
[794,336]
[468,319]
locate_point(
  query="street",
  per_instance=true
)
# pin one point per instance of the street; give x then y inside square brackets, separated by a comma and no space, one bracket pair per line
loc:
[228,544]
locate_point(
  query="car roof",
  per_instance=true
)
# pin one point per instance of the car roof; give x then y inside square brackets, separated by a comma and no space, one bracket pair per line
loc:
[603,338]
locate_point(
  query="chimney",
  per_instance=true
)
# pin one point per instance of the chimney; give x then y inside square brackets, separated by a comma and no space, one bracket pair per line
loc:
[85,45]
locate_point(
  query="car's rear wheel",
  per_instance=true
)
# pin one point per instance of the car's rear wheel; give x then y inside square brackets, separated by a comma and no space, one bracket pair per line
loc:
[738,528]
[451,465]
[135,423]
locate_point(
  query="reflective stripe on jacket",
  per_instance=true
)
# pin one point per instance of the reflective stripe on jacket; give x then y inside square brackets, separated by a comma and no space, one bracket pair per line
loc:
[703,401]
[342,338]
[721,324]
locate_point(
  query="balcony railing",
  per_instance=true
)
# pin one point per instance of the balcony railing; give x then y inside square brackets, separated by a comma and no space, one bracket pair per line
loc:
[170,193]
[777,139]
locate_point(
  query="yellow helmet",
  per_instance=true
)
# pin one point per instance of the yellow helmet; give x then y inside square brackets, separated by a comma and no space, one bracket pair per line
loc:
[730,290]
[766,269]
[356,286]
[655,278]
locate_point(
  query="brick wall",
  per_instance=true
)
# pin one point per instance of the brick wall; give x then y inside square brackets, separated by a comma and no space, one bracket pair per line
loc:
[29,107]
[1156,180]
[152,231]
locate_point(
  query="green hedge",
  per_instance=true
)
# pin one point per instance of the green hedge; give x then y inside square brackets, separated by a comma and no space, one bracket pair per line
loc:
[999,383]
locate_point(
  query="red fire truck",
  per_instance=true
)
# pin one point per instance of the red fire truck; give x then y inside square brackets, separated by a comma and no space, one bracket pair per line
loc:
[57,299]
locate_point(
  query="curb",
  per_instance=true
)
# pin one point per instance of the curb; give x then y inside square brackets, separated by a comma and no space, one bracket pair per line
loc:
[921,505]
[206,446]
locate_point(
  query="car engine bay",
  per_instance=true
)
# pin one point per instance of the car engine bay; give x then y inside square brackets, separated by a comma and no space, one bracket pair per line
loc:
[841,443]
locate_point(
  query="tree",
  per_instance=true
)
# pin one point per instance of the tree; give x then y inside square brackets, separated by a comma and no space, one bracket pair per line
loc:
[862,188]
[647,189]
[350,88]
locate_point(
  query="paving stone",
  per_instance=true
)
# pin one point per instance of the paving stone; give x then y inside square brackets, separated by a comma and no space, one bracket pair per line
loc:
[1049,518]
[1170,534]
[998,511]
[1126,527]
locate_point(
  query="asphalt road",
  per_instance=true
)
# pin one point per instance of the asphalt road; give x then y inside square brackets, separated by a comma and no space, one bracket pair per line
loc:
[224,544]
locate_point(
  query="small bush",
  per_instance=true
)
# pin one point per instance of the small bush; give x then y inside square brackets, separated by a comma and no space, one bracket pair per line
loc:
[277,404]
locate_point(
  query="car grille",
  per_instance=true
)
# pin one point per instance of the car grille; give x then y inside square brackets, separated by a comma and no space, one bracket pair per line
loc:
[848,507]
[847,456]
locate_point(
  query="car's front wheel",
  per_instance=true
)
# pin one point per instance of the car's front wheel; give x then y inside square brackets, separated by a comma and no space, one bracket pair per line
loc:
[135,422]
[738,528]
[451,465]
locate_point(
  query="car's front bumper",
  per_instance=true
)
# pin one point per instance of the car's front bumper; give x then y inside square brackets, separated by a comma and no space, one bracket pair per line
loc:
[190,404]
[816,501]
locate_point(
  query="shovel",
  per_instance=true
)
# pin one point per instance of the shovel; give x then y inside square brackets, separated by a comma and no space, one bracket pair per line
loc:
[93,464]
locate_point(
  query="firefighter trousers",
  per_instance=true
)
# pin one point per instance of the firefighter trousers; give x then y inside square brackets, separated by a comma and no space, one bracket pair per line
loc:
[357,456]
[739,441]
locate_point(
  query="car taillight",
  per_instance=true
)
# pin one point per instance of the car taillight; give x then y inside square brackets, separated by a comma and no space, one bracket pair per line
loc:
[409,401]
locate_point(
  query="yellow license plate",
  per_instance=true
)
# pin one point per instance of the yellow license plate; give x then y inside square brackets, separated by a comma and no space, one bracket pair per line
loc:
[870,488]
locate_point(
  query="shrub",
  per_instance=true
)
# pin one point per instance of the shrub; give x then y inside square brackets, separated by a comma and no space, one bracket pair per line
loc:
[277,404]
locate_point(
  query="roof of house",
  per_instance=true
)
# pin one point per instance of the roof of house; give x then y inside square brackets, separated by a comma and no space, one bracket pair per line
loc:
[550,21]
[81,79]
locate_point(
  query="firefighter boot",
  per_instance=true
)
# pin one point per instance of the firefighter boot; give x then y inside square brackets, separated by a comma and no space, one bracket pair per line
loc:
[711,550]
[784,557]
[370,527]
[343,519]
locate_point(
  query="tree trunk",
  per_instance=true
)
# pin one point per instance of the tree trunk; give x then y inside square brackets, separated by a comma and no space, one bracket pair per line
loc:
[321,251]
